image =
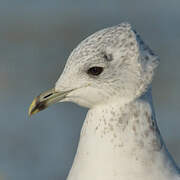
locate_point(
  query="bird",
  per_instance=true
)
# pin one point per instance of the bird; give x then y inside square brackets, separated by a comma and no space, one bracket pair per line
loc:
[110,73]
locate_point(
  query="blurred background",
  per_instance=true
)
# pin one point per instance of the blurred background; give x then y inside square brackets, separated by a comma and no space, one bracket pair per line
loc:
[36,38]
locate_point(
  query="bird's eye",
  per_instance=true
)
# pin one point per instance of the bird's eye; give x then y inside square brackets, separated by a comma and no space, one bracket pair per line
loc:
[95,71]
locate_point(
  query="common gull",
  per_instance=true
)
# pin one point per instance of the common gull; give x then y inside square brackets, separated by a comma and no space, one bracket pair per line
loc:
[111,72]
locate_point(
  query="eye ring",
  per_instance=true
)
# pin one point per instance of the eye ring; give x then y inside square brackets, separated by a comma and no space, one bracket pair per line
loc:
[95,71]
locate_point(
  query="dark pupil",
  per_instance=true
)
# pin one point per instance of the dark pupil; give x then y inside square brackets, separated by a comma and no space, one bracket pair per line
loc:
[95,71]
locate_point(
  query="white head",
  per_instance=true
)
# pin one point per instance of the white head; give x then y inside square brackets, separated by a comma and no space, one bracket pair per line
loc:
[111,63]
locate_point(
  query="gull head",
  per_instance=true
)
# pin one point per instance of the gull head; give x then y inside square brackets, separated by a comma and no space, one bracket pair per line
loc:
[113,63]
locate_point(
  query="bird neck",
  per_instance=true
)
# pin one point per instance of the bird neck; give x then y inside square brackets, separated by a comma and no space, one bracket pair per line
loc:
[124,125]
[120,138]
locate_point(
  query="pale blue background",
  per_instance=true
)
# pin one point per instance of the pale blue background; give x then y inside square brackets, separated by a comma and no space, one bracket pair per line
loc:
[36,37]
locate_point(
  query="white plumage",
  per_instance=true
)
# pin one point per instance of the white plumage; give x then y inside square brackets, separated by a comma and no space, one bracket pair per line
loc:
[119,139]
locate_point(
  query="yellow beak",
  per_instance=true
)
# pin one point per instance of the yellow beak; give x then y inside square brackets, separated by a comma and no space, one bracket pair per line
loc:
[46,99]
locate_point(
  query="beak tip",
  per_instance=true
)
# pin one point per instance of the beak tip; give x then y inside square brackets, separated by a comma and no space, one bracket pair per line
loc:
[29,113]
[32,108]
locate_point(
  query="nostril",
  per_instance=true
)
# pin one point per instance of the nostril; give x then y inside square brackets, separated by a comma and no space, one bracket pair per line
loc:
[47,95]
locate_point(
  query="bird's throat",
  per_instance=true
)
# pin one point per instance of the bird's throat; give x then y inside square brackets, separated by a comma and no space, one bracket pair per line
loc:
[116,140]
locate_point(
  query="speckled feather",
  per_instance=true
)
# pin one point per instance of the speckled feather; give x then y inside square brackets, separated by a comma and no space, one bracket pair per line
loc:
[120,138]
